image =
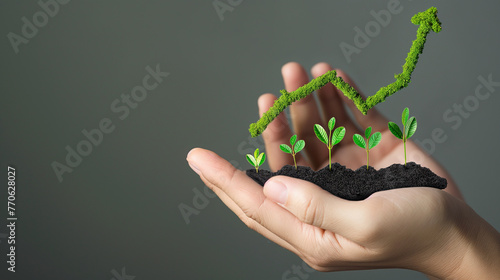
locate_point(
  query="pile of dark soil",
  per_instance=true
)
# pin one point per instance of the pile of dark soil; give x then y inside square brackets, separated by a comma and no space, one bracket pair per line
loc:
[358,184]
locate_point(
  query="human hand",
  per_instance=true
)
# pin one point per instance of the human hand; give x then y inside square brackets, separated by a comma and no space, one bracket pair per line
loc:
[305,113]
[422,229]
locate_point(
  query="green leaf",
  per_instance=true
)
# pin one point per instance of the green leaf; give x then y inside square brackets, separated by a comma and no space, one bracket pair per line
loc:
[259,158]
[368,131]
[256,153]
[299,146]
[411,128]
[407,128]
[405,115]
[285,148]
[321,133]
[262,159]
[396,131]
[251,159]
[359,140]
[338,135]
[331,123]
[374,140]
[293,139]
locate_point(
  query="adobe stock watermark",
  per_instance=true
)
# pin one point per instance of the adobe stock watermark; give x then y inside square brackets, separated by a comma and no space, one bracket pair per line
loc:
[30,28]
[199,202]
[363,37]
[121,108]
[121,276]
[298,272]
[223,6]
[456,114]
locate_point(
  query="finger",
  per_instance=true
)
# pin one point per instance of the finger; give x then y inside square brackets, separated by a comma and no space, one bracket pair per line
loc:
[315,206]
[331,102]
[227,173]
[249,197]
[246,220]
[373,118]
[304,113]
[277,132]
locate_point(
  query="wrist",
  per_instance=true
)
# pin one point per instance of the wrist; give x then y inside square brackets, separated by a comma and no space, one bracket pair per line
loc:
[469,247]
[481,259]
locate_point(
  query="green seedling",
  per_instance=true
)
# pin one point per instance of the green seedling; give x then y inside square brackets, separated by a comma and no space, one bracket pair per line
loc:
[297,146]
[369,143]
[409,128]
[257,159]
[331,139]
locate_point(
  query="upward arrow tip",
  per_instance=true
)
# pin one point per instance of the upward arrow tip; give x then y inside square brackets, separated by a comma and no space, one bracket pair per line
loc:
[428,17]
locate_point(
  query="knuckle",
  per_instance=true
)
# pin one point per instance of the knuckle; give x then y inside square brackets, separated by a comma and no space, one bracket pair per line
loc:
[248,221]
[313,213]
[252,215]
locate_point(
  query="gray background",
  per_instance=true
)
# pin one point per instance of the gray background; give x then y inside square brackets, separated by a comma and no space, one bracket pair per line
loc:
[119,208]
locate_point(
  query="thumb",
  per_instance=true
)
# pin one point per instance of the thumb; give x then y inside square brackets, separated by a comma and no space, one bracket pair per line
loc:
[315,206]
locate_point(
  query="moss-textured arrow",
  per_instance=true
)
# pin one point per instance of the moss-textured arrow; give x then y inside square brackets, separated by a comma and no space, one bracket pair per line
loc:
[427,21]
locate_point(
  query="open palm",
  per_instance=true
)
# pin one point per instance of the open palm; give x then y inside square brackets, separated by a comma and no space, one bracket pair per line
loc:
[388,229]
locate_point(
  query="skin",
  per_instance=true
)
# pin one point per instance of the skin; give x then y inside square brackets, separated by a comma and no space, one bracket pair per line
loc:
[422,229]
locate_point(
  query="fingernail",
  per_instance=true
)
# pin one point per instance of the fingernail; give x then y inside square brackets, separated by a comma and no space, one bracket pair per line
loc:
[195,168]
[276,191]
[192,165]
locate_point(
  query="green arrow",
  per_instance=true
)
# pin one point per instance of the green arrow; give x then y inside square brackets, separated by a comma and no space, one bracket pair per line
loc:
[426,20]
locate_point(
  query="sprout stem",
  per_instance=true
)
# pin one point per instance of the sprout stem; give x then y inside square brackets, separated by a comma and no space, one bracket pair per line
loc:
[294,162]
[404,140]
[330,149]
[367,157]
[330,157]
[404,144]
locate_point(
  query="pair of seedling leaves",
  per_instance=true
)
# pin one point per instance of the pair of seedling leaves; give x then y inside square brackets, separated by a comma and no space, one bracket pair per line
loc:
[329,139]
[338,134]
[409,128]
[257,159]
[296,147]
[335,136]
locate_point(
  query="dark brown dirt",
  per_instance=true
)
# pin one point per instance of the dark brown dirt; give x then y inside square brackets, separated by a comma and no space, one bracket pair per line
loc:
[358,184]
